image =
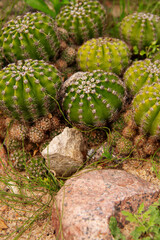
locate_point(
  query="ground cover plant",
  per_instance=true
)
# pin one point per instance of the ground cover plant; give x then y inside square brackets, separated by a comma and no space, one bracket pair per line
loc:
[129,124]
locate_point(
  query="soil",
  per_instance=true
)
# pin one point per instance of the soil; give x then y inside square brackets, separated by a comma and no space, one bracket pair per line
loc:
[42,228]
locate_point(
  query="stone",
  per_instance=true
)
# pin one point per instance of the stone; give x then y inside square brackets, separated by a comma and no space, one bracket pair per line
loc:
[3,157]
[84,205]
[66,153]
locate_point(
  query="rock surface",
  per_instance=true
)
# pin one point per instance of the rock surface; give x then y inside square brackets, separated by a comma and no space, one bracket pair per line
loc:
[66,152]
[85,203]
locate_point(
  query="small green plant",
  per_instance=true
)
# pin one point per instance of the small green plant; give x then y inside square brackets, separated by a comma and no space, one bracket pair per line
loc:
[149,51]
[147,223]
[52,8]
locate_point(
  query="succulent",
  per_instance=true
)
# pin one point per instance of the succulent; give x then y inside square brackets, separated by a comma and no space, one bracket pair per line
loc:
[141,73]
[17,131]
[107,54]
[146,108]
[83,19]
[19,159]
[124,146]
[12,144]
[36,167]
[44,124]
[24,89]
[30,36]
[92,98]
[140,29]
[69,55]
[36,135]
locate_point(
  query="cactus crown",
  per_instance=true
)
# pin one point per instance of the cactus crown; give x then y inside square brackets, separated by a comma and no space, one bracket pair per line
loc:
[140,29]
[141,73]
[30,36]
[24,88]
[107,54]
[92,98]
[83,19]
[146,106]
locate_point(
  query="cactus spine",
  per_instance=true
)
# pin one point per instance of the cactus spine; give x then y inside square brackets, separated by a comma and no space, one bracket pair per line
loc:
[30,36]
[83,19]
[140,29]
[24,89]
[107,54]
[92,98]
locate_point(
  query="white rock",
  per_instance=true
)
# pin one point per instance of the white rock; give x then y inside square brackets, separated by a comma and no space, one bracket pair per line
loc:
[66,152]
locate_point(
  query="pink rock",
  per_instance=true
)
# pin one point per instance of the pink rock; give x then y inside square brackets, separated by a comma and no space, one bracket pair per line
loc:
[3,157]
[85,203]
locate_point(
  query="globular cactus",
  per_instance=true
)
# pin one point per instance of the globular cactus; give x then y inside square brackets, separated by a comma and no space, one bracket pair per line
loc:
[141,73]
[19,159]
[92,98]
[83,19]
[36,167]
[146,108]
[36,135]
[107,54]
[140,29]
[18,131]
[30,36]
[24,89]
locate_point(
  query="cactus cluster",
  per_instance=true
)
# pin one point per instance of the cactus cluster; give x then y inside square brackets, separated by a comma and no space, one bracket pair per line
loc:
[146,106]
[83,19]
[30,36]
[107,54]
[140,29]
[24,89]
[19,159]
[141,73]
[92,98]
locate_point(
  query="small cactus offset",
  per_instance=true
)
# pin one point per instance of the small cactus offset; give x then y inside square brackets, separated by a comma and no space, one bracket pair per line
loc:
[24,89]
[146,106]
[140,29]
[83,19]
[30,36]
[92,98]
[36,167]
[107,54]
[19,159]
[141,73]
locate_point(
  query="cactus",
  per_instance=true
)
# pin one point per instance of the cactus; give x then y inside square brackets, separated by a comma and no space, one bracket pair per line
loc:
[36,135]
[83,19]
[18,131]
[30,36]
[36,167]
[146,108]
[141,73]
[92,98]
[19,159]
[124,146]
[108,54]
[140,29]
[24,89]
[44,124]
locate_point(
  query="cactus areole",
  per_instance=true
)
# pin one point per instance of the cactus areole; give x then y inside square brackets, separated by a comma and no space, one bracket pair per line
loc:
[146,106]
[83,19]
[30,36]
[25,89]
[107,54]
[92,98]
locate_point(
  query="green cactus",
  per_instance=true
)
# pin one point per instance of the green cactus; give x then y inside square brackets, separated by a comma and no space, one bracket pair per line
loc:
[30,36]
[146,108]
[19,159]
[36,167]
[24,89]
[141,73]
[92,98]
[83,19]
[140,29]
[107,54]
